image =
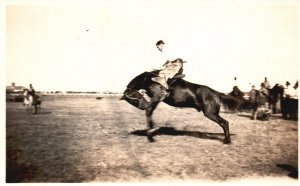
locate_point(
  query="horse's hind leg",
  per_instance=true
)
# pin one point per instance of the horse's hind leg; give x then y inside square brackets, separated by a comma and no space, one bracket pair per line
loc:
[224,124]
[214,116]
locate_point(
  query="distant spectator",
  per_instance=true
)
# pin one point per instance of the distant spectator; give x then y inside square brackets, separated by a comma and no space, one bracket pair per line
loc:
[31,90]
[235,83]
[289,105]
[296,90]
[289,91]
[265,94]
[266,83]
[263,89]
[296,86]
[252,94]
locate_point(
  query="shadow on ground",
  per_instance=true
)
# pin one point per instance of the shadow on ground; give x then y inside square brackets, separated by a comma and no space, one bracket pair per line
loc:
[293,171]
[17,172]
[173,132]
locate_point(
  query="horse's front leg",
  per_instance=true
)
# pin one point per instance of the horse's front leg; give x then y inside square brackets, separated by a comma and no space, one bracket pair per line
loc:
[150,123]
[158,93]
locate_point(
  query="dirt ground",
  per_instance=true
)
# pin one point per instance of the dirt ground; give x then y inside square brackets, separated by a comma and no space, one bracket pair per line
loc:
[82,139]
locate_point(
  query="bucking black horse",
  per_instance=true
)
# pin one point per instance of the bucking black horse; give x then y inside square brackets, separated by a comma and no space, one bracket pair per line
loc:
[181,93]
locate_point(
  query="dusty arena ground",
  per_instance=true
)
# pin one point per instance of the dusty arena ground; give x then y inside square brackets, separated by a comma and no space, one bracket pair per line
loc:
[82,139]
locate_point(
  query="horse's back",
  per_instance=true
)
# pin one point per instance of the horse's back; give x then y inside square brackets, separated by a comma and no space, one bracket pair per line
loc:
[186,94]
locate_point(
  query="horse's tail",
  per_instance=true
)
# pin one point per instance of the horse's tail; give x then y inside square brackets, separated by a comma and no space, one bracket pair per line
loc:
[230,102]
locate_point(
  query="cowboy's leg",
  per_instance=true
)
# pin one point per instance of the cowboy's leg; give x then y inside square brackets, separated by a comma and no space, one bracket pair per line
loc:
[171,70]
[161,79]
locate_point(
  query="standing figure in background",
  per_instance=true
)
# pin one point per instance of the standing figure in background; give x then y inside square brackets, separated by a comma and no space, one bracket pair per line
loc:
[295,90]
[31,90]
[266,84]
[289,103]
[252,94]
[36,97]
[296,85]
[265,92]
[235,83]
[289,91]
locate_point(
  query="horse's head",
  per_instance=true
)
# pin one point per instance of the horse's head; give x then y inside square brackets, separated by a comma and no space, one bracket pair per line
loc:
[142,81]
[135,98]
[25,92]
[132,94]
[276,92]
[28,99]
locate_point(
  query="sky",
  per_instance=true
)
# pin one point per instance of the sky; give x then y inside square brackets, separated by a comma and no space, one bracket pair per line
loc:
[102,45]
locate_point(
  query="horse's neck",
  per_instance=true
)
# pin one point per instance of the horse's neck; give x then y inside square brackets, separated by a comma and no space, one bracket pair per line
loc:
[139,82]
[26,95]
[277,91]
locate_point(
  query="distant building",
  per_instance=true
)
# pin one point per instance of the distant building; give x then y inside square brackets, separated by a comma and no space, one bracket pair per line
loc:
[14,93]
[14,89]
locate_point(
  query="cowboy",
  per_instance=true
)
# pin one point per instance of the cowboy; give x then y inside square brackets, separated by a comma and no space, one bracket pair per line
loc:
[169,69]
[32,92]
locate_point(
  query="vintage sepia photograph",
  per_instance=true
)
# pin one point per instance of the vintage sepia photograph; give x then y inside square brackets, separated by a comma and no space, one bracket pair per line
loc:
[151,92]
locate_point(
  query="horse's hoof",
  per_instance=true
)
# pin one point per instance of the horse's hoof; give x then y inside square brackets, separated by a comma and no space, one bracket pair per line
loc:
[150,139]
[227,141]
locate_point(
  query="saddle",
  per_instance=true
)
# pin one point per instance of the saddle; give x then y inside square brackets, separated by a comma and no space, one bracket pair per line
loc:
[173,69]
